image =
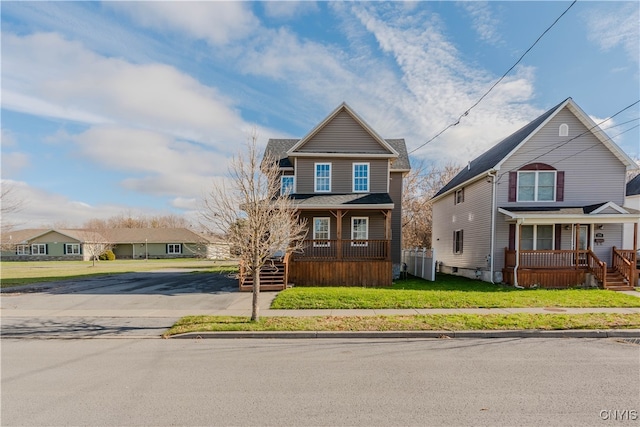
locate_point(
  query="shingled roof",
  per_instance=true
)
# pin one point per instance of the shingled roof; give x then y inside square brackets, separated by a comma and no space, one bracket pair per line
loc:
[490,158]
[633,186]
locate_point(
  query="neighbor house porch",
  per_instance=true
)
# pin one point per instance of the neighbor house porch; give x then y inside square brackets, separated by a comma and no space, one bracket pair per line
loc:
[559,248]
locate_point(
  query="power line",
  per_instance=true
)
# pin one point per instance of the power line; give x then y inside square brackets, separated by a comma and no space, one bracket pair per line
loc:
[466,113]
[557,146]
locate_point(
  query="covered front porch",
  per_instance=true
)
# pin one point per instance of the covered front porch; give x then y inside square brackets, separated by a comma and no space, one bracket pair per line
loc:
[560,248]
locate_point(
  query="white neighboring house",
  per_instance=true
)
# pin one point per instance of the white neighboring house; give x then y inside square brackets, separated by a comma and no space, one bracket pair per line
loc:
[543,207]
[631,201]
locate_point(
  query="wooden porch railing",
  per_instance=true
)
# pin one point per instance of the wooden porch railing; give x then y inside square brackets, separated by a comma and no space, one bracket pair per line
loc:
[624,262]
[329,250]
[558,259]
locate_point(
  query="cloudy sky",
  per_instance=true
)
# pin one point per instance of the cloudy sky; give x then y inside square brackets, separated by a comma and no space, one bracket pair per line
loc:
[136,107]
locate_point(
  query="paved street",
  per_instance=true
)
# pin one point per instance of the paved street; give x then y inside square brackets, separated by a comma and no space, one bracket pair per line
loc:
[455,382]
[131,305]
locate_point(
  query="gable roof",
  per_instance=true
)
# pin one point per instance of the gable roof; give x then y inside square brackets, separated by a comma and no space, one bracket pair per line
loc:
[493,158]
[279,148]
[114,235]
[633,186]
[343,108]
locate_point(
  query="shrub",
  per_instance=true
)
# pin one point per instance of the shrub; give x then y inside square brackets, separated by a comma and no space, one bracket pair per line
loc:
[107,256]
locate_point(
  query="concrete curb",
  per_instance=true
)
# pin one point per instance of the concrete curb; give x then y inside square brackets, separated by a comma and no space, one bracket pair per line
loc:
[529,333]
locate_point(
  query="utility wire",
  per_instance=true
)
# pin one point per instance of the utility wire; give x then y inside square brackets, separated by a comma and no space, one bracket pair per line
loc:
[466,113]
[555,147]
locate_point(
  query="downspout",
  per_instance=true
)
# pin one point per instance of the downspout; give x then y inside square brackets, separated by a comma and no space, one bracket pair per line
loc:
[493,223]
[517,245]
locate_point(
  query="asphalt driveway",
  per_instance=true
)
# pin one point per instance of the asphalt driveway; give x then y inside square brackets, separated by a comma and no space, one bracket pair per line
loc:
[129,305]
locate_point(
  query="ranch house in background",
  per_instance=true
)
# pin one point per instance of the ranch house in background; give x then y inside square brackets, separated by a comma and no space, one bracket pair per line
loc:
[543,207]
[346,181]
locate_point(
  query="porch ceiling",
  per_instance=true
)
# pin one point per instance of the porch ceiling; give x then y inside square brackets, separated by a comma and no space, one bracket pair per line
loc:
[568,215]
[343,201]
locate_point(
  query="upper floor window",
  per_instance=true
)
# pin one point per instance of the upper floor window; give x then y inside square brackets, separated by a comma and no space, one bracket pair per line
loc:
[72,248]
[563,130]
[322,177]
[536,182]
[286,184]
[536,186]
[174,248]
[361,177]
[39,249]
[459,196]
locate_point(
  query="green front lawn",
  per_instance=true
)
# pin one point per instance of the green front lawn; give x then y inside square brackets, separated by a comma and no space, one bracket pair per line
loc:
[446,292]
[435,322]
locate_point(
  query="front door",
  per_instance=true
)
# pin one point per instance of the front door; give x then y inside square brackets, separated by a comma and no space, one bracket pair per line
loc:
[583,242]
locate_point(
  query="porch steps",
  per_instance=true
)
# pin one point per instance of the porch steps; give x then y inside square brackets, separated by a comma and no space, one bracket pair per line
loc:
[273,277]
[616,282]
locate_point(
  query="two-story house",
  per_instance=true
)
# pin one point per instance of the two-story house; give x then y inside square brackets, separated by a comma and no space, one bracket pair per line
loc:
[346,182]
[543,207]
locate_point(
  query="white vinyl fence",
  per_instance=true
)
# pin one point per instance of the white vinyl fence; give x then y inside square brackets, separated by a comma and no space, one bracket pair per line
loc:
[420,262]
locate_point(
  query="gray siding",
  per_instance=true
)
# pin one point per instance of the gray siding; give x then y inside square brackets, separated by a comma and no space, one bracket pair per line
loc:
[395,191]
[343,135]
[592,173]
[341,174]
[473,216]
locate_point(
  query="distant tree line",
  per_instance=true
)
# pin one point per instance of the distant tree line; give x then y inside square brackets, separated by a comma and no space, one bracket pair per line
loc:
[130,221]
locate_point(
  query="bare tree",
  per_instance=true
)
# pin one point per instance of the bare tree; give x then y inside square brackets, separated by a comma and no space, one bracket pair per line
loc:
[129,221]
[10,204]
[95,242]
[420,185]
[257,220]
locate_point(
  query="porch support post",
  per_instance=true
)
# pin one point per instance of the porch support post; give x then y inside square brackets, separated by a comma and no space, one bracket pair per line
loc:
[576,246]
[517,239]
[339,215]
[133,246]
[387,232]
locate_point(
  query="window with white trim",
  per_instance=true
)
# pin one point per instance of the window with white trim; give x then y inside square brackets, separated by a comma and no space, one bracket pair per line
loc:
[459,196]
[563,130]
[39,249]
[321,231]
[457,241]
[174,248]
[286,184]
[322,177]
[72,248]
[536,186]
[361,177]
[359,231]
[23,250]
[536,237]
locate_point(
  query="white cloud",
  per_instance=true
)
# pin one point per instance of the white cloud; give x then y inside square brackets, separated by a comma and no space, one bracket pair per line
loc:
[14,162]
[615,24]
[44,74]
[288,9]
[484,22]
[216,22]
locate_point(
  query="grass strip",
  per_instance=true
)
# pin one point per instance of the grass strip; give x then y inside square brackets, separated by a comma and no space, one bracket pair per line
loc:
[435,322]
[446,292]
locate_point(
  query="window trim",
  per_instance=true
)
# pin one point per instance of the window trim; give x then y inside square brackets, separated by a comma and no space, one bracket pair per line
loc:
[293,184]
[353,177]
[536,187]
[458,248]
[458,192]
[535,236]
[563,130]
[317,244]
[315,177]
[360,242]
[39,246]
[67,251]
[171,248]
[23,249]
